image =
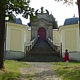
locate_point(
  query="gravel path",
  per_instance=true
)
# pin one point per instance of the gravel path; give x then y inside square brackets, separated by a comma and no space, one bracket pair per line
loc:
[38,71]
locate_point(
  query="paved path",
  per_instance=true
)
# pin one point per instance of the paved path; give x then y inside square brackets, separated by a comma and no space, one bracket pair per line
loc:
[38,71]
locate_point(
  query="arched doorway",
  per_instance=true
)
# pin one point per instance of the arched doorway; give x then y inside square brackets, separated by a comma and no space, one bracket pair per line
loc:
[42,34]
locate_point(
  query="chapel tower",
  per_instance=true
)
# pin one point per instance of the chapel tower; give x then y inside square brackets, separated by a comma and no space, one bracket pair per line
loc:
[42,25]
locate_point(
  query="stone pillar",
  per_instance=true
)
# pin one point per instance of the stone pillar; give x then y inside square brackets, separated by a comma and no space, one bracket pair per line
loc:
[47,33]
[50,32]
[32,33]
[35,33]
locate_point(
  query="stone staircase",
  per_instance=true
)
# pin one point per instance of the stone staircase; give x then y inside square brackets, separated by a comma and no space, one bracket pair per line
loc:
[42,52]
[42,48]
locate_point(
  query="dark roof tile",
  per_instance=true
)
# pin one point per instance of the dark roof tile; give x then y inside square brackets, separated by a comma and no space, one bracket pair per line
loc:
[71,21]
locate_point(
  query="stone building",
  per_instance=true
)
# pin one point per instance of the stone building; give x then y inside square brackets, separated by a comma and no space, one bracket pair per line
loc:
[21,38]
[42,26]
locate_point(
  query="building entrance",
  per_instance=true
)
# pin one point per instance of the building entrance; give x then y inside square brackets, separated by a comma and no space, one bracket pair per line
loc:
[42,34]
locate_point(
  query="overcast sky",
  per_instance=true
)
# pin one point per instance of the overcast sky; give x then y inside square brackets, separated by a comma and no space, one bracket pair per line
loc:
[57,9]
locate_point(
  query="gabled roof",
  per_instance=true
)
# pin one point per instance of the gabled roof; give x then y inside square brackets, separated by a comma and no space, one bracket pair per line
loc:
[71,21]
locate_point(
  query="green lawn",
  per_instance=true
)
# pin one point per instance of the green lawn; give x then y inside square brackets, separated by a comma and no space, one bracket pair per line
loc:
[11,70]
[70,73]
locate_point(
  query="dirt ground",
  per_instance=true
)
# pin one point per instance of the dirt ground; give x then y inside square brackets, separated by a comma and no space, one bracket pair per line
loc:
[38,71]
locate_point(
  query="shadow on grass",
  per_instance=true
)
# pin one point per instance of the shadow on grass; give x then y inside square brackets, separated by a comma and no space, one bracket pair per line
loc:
[9,76]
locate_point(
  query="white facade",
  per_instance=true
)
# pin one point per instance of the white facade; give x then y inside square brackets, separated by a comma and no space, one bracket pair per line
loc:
[69,37]
[17,38]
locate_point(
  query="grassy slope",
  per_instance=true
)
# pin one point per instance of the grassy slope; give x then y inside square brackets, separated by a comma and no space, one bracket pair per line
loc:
[70,73]
[11,70]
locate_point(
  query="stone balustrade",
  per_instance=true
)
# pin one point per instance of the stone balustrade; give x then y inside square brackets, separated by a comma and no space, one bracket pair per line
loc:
[50,41]
[30,45]
[55,46]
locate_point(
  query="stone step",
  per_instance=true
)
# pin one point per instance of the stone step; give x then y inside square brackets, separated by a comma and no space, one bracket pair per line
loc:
[42,59]
[42,51]
[43,54]
[42,48]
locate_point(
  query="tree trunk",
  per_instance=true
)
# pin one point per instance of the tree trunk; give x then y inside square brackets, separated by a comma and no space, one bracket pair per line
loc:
[2,36]
[79,16]
[79,9]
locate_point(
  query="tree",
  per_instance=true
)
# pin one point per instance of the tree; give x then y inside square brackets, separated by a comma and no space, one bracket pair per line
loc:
[55,25]
[8,6]
[78,2]
[54,22]
[68,2]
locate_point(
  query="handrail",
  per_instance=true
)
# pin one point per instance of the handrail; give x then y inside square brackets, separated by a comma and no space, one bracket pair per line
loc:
[29,46]
[50,41]
[33,42]
[55,46]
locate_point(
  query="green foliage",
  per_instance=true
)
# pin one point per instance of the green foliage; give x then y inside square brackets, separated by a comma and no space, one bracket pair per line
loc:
[66,1]
[6,9]
[70,73]
[11,18]
[55,25]
[32,15]
[32,18]
[19,6]
[11,70]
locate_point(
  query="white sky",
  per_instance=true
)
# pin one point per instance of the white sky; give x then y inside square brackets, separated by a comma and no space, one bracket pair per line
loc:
[59,11]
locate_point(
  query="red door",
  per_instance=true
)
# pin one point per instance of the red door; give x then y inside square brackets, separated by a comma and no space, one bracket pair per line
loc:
[42,34]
